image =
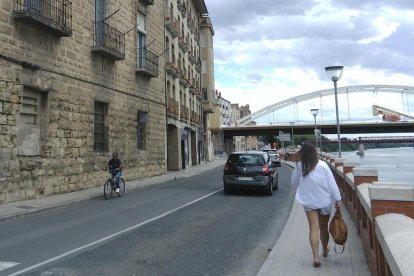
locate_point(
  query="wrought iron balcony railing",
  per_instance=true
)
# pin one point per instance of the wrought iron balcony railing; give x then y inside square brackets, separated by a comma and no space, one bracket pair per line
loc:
[147,63]
[52,15]
[109,41]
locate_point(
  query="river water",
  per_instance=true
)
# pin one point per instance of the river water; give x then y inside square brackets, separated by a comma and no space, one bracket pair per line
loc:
[394,164]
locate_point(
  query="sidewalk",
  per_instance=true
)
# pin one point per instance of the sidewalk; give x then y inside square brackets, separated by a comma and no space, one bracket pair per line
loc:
[291,255]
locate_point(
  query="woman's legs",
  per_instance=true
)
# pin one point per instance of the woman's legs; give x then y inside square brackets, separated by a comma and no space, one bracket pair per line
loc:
[313,219]
[324,233]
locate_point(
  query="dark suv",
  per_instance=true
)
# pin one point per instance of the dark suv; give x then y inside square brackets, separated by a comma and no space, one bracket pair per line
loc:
[250,169]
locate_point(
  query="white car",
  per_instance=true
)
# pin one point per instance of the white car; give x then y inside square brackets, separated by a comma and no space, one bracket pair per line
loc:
[275,156]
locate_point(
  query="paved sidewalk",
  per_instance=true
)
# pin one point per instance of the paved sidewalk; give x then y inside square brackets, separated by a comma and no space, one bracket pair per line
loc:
[291,255]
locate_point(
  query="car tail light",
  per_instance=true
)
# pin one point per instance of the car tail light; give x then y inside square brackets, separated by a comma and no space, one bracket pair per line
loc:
[265,169]
[226,168]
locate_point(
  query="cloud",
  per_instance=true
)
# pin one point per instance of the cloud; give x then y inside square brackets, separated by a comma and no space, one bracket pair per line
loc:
[267,51]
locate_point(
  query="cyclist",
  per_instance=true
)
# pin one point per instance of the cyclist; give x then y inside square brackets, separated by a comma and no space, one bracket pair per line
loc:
[115,168]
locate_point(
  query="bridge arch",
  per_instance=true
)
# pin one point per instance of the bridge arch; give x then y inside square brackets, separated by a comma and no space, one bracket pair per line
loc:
[326,92]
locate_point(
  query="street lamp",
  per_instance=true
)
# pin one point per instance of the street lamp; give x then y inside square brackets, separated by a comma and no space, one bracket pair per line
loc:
[335,73]
[293,137]
[314,112]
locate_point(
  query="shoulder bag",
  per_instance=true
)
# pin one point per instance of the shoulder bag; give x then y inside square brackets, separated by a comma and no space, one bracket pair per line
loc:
[338,229]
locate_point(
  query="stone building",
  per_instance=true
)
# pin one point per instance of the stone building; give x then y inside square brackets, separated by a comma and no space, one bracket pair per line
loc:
[183,83]
[207,82]
[78,81]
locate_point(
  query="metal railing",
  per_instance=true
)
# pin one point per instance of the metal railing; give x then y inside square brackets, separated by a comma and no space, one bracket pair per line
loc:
[109,40]
[55,15]
[147,62]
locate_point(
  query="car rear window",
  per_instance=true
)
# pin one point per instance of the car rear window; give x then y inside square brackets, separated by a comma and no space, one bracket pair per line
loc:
[271,151]
[246,159]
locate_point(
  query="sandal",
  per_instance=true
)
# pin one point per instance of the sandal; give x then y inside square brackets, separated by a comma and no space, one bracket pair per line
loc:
[316,263]
[325,253]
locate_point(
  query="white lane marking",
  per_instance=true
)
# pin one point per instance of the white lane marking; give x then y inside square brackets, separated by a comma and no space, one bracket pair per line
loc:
[6,265]
[111,236]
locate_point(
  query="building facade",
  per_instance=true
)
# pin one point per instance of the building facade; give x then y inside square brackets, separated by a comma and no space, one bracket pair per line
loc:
[185,132]
[207,82]
[78,81]
[221,117]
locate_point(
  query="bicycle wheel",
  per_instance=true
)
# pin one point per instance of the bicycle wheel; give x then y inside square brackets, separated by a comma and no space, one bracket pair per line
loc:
[121,187]
[108,190]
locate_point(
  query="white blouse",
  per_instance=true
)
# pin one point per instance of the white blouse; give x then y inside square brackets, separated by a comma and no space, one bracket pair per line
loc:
[316,190]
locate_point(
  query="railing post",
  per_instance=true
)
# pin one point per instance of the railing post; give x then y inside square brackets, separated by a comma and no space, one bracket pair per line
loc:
[347,190]
[389,198]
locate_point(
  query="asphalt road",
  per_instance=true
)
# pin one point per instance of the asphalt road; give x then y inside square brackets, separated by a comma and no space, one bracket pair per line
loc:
[183,227]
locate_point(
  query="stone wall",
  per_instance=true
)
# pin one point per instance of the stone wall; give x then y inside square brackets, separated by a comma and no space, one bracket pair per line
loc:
[70,79]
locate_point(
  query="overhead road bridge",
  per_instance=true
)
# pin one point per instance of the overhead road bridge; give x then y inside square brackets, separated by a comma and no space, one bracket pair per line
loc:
[306,129]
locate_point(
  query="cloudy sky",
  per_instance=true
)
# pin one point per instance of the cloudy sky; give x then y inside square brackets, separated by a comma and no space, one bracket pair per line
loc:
[267,51]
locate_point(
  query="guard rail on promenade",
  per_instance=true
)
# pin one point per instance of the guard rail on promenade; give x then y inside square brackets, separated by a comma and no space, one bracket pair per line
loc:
[383,214]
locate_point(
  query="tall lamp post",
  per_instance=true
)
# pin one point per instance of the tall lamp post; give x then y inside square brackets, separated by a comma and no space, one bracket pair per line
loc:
[335,73]
[315,112]
[293,137]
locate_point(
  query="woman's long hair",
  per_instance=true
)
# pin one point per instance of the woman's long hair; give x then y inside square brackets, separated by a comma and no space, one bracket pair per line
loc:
[309,158]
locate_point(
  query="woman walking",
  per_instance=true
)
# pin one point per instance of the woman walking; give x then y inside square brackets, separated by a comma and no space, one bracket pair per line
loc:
[316,191]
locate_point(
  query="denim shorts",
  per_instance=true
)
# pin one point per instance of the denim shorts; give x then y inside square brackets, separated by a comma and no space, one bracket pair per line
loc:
[323,211]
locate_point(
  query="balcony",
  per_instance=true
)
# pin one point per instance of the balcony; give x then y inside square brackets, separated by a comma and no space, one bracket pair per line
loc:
[192,58]
[195,118]
[208,107]
[109,41]
[147,63]
[181,6]
[172,108]
[171,23]
[183,81]
[183,43]
[52,15]
[172,70]
[184,112]
[198,66]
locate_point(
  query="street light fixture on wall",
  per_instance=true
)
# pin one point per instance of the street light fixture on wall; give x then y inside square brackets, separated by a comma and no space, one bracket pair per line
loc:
[315,112]
[335,73]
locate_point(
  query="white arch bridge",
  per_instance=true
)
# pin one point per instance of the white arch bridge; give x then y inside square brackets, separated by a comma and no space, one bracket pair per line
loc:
[377,91]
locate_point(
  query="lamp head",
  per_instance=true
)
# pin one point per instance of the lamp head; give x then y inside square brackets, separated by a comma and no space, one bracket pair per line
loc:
[334,72]
[314,111]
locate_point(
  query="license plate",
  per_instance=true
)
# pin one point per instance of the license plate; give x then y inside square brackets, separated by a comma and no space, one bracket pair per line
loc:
[243,178]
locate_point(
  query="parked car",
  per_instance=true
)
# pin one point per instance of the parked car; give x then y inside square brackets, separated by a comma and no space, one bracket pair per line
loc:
[275,156]
[250,169]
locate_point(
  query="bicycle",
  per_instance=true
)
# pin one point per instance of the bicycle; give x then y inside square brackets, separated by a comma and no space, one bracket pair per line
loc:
[110,186]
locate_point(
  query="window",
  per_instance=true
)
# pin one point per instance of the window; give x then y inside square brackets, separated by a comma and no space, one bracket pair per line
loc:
[204,67]
[141,39]
[30,122]
[100,11]
[205,93]
[142,119]
[203,39]
[100,131]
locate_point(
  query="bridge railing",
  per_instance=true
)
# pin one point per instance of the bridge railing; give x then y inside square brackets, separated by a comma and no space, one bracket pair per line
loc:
[383,214]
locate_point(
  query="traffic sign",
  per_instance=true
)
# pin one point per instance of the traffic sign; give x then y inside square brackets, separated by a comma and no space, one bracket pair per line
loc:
[284,136]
